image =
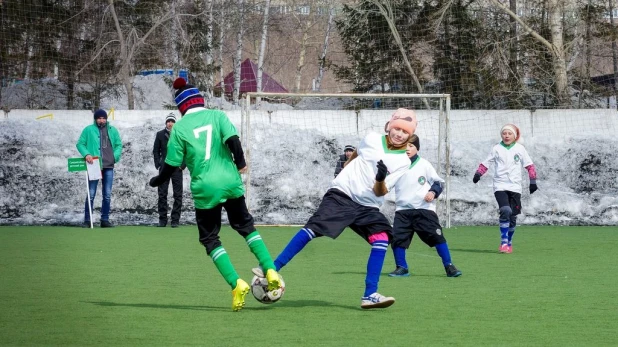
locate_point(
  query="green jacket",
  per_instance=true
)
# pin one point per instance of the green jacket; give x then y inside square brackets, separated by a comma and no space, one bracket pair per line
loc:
[90,142]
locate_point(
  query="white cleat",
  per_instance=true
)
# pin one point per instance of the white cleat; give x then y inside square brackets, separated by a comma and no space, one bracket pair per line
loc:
[376,300]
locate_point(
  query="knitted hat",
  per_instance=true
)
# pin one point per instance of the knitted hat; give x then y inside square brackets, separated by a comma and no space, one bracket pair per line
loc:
[170,117]
[100,114]
[186,96]
[415,141]
[403,119]
[349,148]
[512,128]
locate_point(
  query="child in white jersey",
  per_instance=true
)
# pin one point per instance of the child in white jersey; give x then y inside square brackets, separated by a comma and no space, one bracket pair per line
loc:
[354,198]
[416,192]
[508,157]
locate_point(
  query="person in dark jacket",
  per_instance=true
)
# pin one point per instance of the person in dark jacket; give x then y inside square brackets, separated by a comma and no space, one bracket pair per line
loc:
[159,152]
[347,153]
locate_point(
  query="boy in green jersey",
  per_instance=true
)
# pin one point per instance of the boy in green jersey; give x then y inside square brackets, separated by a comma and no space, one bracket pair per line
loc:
[208,143]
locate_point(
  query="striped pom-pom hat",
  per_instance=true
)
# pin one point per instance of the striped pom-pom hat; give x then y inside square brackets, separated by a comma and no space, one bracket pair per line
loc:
[187,96]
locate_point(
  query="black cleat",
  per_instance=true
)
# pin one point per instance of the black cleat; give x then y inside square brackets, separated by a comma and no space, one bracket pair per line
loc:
[175,225]
[106,224]
[86,224]
[451,271]
[400,271]
[161,224]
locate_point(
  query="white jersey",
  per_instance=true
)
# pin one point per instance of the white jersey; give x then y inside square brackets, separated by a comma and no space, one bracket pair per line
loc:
[356,180]
[508,161]
[415,183]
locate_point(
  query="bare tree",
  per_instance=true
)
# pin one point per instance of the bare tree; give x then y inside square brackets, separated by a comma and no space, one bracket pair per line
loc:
[322,60]
[130,42]
[557,49]
[262,50]
[239,46]
[386,9]
[209,59]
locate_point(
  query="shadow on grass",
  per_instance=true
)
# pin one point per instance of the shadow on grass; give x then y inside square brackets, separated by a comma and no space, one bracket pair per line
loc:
[282,303]
[473,250]
[160,306]
[313,303]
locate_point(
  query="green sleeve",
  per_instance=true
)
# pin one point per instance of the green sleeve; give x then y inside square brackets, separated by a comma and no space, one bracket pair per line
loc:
[227,128]
[117,145]
[82,147]
[175,149]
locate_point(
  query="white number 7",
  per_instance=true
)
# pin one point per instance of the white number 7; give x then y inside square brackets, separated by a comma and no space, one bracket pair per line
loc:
[208,130]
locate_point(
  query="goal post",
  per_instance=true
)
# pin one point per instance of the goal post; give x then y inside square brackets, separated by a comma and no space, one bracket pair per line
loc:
[292,142]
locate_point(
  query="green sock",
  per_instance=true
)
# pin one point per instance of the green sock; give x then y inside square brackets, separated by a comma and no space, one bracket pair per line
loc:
[224,265]
[258,248]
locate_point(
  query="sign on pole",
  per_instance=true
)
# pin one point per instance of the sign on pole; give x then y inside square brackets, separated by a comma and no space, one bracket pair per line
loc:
[76,165]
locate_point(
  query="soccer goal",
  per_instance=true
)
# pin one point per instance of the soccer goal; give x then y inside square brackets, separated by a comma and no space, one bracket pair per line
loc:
[293,142]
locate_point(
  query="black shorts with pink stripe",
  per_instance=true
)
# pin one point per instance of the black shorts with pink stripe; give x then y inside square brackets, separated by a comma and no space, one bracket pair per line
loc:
[337,211]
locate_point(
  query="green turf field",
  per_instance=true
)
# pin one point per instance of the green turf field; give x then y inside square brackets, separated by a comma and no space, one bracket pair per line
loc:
[144,286]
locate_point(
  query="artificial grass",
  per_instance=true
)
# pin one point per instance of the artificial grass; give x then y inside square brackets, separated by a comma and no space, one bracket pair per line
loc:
[134,286]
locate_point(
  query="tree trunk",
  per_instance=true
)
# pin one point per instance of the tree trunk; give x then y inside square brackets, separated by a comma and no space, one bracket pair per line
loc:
[210,78]
[301,60]
[239,45]
[559,61]
[513,35]
[262,50]
[614,53]
[322,62]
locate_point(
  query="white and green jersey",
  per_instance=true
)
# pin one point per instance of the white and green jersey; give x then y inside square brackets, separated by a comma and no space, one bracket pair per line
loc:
[508,162]
[199,138]
[414,184]
[356,180]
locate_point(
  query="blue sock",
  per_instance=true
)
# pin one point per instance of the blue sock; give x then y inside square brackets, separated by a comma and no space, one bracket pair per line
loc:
[444,253]
[400,257]
[374,266]
[510,235]
[296,244]
[504,229]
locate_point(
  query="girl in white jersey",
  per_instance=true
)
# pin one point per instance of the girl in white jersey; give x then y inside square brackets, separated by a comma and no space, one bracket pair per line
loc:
[416,192]
[352,201]
[508,157]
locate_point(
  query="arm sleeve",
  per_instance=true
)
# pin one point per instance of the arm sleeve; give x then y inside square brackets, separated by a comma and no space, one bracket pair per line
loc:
[156,152]
[379,188]
[233,143]
[486,163]
[438,183]
[531,173]
[82,144]
[175,149]
[482,169]
[117,146]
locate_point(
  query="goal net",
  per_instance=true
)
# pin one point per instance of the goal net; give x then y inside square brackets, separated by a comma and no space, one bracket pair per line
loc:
[293,142]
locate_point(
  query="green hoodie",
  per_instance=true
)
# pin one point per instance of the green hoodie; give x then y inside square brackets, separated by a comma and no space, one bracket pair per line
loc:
[90,141]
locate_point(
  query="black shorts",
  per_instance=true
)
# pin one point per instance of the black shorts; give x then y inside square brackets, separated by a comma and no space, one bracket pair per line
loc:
[423,222]
[508,198]
[337,211]
[209,221]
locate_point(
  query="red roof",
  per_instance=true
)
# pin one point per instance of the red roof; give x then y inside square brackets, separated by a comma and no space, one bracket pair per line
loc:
[248,80]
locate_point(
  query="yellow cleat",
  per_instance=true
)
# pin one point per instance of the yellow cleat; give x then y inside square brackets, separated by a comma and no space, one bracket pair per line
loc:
[238,295]
[273,278]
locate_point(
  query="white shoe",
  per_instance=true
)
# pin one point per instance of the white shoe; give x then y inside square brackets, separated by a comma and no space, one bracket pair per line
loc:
[376,300]
[258,272]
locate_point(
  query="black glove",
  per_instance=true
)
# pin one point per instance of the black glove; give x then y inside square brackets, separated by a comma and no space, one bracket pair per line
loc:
[533,188]
[476,178]
[382,170]
[154,182]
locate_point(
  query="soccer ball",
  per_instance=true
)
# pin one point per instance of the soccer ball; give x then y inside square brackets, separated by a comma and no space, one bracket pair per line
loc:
[259,289]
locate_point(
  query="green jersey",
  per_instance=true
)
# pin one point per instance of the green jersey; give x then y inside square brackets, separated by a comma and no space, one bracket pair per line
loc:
[199,138]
